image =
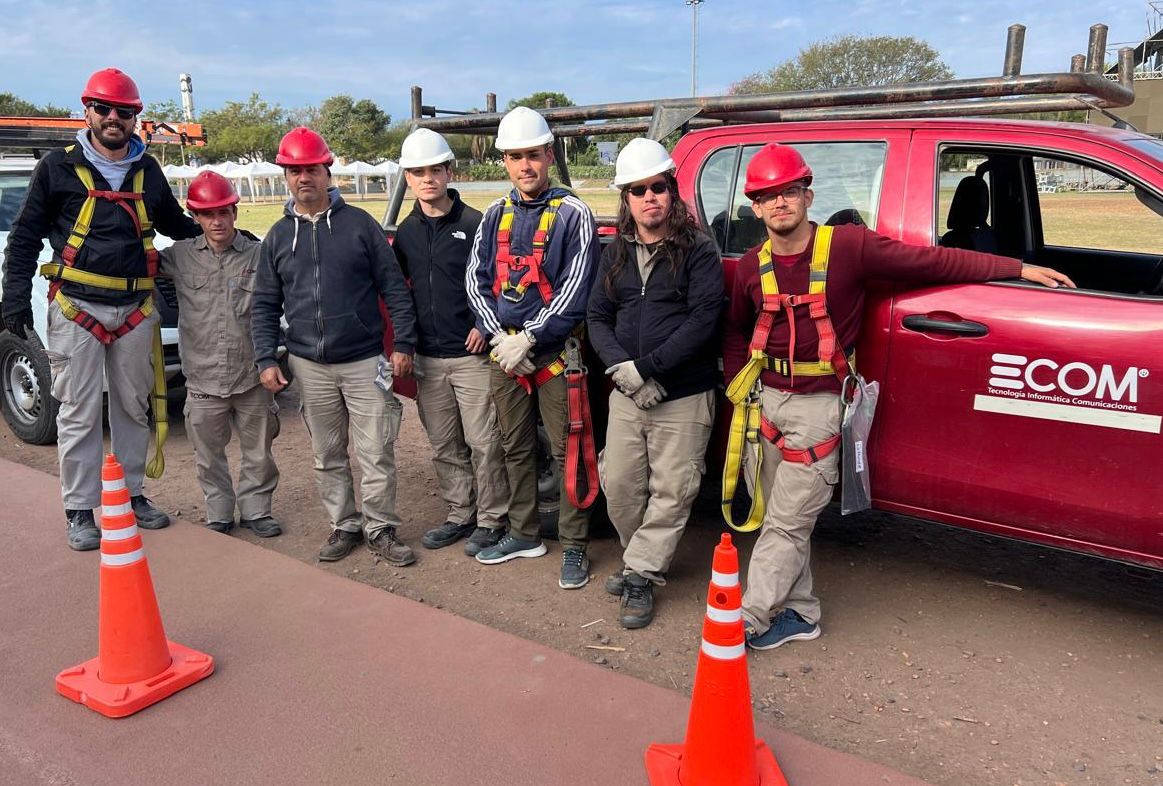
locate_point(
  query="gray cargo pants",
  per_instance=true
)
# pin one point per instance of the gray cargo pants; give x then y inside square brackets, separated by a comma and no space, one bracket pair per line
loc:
[80,367]
[253,416]
[337,397]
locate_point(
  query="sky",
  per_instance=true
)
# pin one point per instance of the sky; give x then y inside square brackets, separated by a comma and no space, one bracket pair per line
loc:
[297,54]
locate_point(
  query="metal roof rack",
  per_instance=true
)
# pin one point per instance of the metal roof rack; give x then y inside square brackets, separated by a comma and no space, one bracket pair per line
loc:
[1082,87]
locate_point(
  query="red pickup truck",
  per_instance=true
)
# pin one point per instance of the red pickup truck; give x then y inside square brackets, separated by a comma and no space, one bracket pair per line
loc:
[1005,407]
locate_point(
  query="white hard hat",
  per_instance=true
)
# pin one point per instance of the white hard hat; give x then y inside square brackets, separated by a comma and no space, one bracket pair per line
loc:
[523,128]
[424,147]
[641,158]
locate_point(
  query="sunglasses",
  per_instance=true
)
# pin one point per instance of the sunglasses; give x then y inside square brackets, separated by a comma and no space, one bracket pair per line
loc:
[657,187]
[125,113]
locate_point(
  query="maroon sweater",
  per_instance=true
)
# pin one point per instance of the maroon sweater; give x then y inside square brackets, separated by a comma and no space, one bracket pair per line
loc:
[858,255]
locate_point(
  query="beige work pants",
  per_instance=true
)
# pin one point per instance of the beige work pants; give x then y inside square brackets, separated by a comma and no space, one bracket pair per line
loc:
[80,366]
[461,421]
[336,398]
[651,468]
[210,420]
[780,573]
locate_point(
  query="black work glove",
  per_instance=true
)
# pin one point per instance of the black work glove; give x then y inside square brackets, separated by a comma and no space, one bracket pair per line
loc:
[19,323]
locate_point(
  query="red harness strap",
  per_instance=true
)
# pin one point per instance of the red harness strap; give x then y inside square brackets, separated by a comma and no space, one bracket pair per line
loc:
[531,264]
[580,455]
[808,455]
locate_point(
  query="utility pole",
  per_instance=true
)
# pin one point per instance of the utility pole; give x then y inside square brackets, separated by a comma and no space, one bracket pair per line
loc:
[694,4]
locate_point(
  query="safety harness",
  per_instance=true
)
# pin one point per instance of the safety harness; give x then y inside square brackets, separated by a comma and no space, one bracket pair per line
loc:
[59,272]
[747,421]
[531,264]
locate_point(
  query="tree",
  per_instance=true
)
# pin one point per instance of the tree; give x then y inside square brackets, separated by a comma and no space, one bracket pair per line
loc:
[248,130]
[850,61]
[169,111]
[12,105]
[355,130]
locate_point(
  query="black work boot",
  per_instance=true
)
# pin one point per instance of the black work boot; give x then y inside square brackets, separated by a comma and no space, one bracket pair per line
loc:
[339,544]
[148,517]
[446,534]
[264,526]
[220,526]
[82,530]
[387,546]
[616,583]
[637,602]
[483,538]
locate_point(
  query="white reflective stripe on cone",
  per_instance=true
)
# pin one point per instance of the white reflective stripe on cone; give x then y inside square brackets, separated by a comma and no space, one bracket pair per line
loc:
[113,485]
[724,579]
[118,560]
[724,615]
[720,652]
[116,510]
[125,533]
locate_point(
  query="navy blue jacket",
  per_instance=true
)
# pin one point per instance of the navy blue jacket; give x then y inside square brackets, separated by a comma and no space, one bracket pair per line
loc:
[571,259]
[327,278]
[433,253]
[667,326]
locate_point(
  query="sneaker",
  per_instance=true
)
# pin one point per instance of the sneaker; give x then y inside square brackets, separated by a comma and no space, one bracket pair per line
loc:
[388,546]
[637,602]
[446,534]
[339,544]
[264,526]
[148,517]
[82,531]
[616,583]
[786,626]
[575,569]
[509,547]
[220,526]
[482,538]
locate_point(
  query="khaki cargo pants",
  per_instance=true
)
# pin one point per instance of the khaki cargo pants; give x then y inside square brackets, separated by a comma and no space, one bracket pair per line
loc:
[651,468]
[253,416]
[80,367]
[460,418]
[780,573]
[336,398]
[518,419]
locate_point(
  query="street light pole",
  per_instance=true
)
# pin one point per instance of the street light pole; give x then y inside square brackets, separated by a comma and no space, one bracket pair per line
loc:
[694,4]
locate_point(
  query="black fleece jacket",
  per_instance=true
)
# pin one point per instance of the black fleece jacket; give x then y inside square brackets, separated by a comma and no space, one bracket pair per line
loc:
[433,253]
[327,277]
[668,325]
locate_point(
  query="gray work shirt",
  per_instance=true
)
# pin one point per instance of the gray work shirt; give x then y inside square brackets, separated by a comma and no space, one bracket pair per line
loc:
[214,298]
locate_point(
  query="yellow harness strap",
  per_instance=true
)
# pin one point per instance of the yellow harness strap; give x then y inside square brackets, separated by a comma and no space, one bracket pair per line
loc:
[744,390]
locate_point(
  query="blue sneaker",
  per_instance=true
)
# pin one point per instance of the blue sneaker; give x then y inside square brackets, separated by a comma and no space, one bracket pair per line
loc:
[509,548]
[786,626]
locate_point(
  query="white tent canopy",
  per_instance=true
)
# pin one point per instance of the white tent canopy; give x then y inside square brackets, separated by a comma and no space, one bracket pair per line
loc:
[361,170]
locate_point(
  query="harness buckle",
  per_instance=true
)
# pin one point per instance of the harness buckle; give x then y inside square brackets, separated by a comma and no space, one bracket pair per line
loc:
[573,357]
[513,298]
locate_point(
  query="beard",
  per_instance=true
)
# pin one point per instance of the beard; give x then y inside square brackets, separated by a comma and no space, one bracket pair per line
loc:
[101,131]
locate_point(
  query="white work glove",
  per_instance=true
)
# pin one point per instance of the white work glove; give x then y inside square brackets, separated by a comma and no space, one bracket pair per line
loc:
[511,350]
[626,377]
[649,394]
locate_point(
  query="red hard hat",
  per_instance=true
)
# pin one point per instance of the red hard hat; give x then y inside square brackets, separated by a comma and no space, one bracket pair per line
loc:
[303,147]
[114,87]
[775,166]
[210,191]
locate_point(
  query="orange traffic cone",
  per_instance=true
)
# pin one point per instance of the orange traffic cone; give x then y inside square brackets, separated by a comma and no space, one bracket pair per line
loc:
[136,666]
[720,747]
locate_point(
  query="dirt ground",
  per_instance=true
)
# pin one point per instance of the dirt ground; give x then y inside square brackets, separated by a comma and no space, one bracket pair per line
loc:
[953,657]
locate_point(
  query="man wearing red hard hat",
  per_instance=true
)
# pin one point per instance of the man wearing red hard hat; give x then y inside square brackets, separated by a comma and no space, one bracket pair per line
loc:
[214,276]
[324,266]
[792,324]
[98,202]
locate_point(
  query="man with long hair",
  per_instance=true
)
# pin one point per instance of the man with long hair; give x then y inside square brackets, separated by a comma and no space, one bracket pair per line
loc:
[653,315]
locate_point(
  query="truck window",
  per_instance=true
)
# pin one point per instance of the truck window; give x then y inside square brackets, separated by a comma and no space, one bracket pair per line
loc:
[1093,224]
[12,191]
[848,177]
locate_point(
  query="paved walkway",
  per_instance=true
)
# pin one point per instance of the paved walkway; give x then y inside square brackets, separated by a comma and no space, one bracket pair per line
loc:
[319,680]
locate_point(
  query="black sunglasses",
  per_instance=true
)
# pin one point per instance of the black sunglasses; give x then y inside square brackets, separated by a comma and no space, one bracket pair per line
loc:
[657,187]
[123,112]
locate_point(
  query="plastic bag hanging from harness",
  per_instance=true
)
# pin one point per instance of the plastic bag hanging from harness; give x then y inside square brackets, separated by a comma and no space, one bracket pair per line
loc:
[859,409]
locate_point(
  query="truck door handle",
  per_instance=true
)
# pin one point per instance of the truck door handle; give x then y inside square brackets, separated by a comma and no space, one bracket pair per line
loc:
[962,327]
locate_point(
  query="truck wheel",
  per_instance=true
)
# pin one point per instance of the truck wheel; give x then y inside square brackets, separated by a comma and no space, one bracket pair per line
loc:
[25,390]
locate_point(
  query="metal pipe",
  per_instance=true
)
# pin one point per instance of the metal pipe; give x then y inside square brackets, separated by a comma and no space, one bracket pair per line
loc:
[1077,64]
[1015,43]
[966,108]
[1127,68]
[1096,50]
[417,102]
[490,102]
[395,203]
